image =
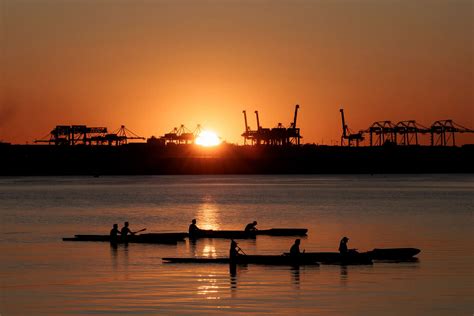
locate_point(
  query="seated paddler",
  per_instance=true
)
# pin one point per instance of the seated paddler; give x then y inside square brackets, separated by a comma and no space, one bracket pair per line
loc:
[343,250]
[193,229]
[234,250]
[251,227]
[295,249]
[125,231]
[114,232]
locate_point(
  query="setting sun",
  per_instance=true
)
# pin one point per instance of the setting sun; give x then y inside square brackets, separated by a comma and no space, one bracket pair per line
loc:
[208,139]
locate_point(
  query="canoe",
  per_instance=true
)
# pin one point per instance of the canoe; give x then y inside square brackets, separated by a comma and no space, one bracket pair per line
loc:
[283,232]
[393,254]
[152,238]
[388,254]
[196,260]
[240,234]
[249,259]
[337,258]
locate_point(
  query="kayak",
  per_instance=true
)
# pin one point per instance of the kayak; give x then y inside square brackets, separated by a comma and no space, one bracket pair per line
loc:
[337,258]
[174,237]
[249,259]
[196,260]
[152,238]
[283,232]
[393,253]
[240,234]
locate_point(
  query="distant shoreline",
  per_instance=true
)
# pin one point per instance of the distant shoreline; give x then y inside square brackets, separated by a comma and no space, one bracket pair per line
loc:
[151,159]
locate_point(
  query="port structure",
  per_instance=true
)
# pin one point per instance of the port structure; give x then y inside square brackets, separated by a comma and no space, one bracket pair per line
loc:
[248,134]
[382,133]
[443,132]
[403,133]
[181,135]
[407,132]
[277,136]
[348,135]
[72,135]
[121,136]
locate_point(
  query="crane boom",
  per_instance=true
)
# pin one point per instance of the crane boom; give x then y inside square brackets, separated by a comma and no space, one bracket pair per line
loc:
[258,121]
[245,119]
[344,126]
[296,115]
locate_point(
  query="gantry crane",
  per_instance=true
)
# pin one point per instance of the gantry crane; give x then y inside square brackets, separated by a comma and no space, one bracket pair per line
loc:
[443,132]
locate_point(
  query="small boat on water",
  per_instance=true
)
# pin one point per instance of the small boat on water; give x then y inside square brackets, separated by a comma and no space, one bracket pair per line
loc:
[338,259]
[249,259]
[386,254]
[165,238]
[393,254]
[173,238]
[151,238]
[240,234]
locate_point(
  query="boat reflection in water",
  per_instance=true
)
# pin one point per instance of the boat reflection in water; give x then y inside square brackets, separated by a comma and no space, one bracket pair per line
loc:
[295,276]
[233,280]
[119,251]
[344,275]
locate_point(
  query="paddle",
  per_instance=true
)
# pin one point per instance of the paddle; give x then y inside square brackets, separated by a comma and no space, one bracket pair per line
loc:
[138,231]
[240,249]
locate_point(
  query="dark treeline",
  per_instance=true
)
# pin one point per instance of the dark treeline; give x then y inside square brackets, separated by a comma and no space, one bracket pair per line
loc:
[142,159]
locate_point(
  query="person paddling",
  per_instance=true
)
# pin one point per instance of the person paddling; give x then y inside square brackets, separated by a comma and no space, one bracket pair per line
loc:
[193,229]
[251,227]
[234,250]
[343,250]
[114,232]
[125,231]
[295,249]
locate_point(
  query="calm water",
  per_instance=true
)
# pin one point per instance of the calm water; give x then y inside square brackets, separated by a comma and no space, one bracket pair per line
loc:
[41,275]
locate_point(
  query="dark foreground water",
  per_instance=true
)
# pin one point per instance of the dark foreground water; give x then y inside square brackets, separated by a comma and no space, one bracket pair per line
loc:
[41,275]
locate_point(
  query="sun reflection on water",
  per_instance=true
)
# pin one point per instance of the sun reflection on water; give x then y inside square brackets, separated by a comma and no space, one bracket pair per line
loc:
[209,251]
[208,214]
[209,289]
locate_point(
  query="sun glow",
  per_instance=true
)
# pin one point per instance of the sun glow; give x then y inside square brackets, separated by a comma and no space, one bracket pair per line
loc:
[208,139]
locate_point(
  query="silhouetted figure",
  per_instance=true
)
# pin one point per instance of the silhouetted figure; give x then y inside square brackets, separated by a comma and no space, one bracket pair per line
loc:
[114,232]
[295,249]
[343,250]
[234,250]
[251,227]
[125,231]
[343,246]
[193,229]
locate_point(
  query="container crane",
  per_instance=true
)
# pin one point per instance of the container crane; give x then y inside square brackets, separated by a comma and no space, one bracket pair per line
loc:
[293,133]
[443,132]
[347,135]
[247,135]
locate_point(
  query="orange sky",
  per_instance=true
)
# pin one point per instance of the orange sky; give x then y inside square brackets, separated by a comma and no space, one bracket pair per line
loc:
[153,65]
